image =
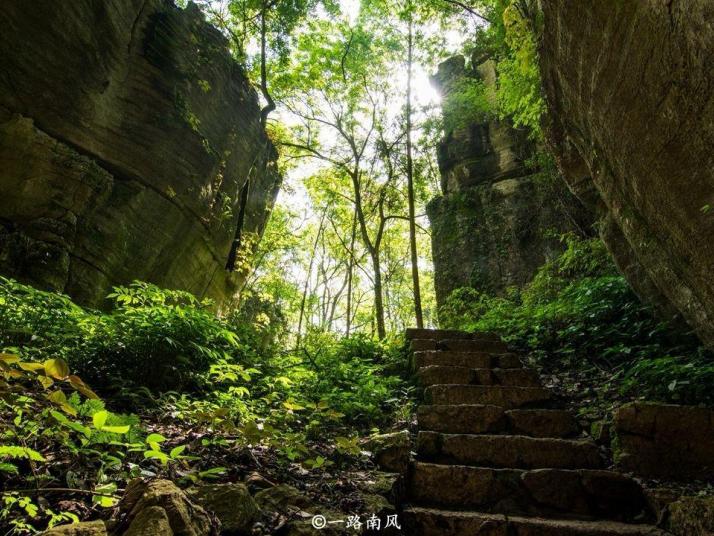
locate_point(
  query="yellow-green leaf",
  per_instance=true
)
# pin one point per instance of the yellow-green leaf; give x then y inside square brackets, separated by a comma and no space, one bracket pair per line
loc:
[78,385]
[45,381]
[31,367]
[59,398]
[57,368]
[116,429]
[99,418]
[9,358]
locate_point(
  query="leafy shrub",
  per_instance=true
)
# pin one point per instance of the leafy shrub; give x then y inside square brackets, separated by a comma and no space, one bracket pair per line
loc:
[161,339]
[354,376]
[683,380]
[54,439]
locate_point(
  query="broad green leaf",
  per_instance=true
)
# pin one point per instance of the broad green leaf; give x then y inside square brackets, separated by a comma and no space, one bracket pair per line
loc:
[155,454]
[59,398]
[46,381]
[293,406]
[31,367]
[9,358]
[81,387]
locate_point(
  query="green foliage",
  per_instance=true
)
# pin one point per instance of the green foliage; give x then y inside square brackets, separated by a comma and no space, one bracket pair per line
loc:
[52,439]
[169,333]
[351,375]
[681,379]
[467,104]
[578,313]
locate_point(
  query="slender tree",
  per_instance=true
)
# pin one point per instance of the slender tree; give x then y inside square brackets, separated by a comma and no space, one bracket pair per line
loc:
[410,172]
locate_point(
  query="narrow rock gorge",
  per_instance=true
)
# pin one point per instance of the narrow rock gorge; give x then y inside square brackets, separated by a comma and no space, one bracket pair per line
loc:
[127,134]
[498,210]
[630,95]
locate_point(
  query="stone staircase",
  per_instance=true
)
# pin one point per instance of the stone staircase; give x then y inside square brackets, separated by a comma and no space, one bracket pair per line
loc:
[497,457]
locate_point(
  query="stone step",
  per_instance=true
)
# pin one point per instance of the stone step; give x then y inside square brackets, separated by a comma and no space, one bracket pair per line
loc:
[439,334]
[583,494]
[472,345]
[431,522]
[519,452]
[459,345]
[438,374]
[465,359]
[497,395]
[484,419]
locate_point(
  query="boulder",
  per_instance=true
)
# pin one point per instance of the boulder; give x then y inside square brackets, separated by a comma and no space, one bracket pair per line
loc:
[629,90]
[388,485]
[283,498]
[231,503]
[127,134]
[691,516]
[151,521]
[184,518]
[87,528]
[391,451]
[665,440]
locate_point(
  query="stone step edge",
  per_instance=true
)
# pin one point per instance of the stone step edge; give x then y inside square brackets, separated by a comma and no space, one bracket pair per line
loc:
[589,527]
[508,418]
[587,454]
[426,333]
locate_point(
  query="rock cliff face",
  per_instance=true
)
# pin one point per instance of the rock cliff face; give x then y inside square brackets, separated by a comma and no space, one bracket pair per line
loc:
[127,133]
[501,216]
[630,93]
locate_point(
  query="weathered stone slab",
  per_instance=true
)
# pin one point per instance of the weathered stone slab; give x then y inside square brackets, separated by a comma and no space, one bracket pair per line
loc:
[508,451]
[435,374]
[485,419]
[665,441]
[432,522]
[506,397]
[541,492]
[426,358]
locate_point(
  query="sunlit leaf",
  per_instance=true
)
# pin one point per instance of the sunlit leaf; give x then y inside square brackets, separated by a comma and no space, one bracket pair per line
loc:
[99,418]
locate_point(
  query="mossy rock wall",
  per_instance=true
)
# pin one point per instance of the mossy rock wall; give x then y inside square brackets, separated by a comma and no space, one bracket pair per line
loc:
[127,132]
[630,93]
[498,219]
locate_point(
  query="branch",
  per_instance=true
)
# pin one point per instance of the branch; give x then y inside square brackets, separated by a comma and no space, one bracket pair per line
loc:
[468,8]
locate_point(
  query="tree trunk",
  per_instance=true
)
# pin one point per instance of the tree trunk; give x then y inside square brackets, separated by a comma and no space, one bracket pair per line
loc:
[410,182]
[373,249]
[378,303]
[307,278]
[270,106]
[350,270]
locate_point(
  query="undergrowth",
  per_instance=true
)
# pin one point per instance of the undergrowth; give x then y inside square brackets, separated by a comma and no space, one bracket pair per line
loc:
[160,386]
[579,314]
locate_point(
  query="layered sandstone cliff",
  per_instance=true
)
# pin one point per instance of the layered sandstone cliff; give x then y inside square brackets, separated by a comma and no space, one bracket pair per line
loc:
[127,133]
[499,217]
[630,94]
